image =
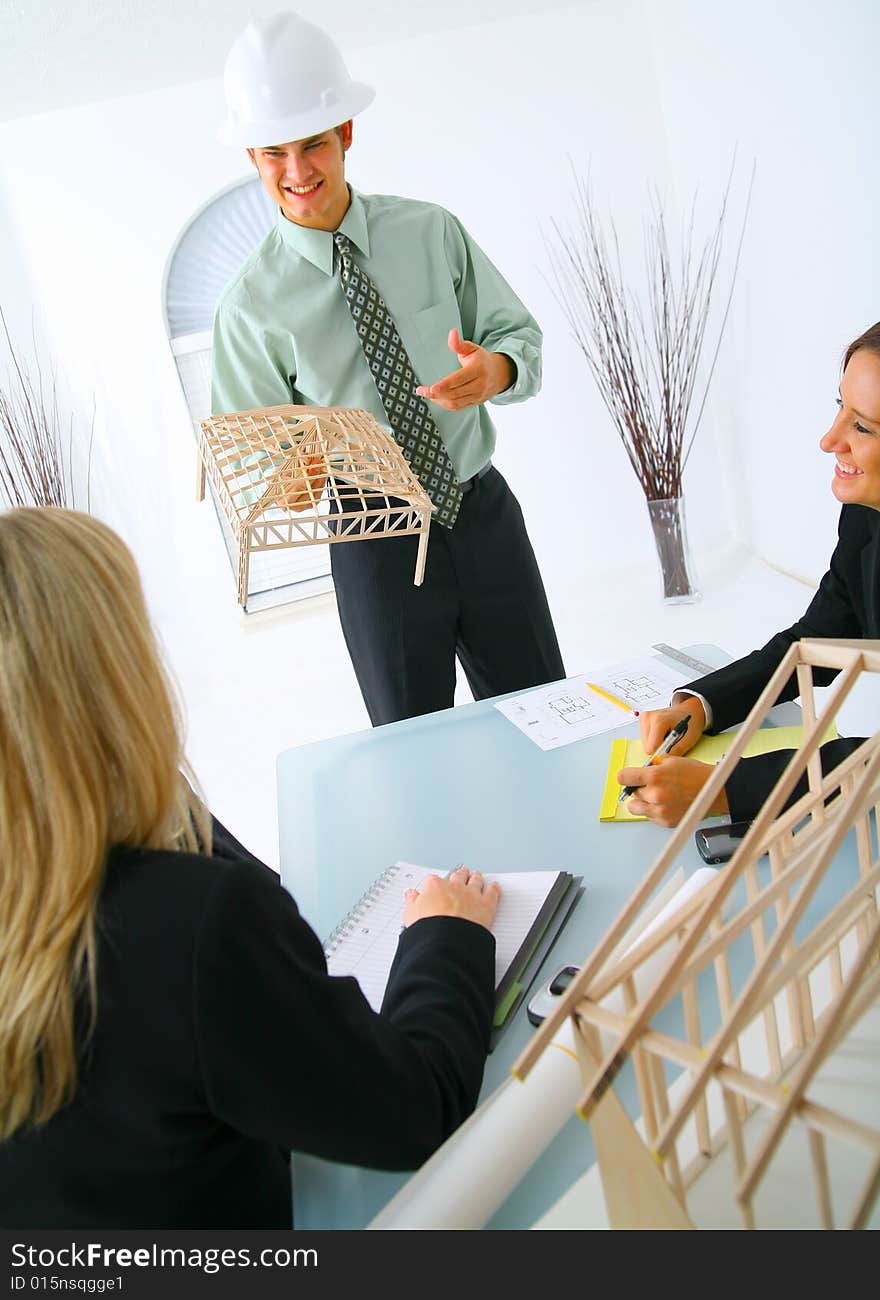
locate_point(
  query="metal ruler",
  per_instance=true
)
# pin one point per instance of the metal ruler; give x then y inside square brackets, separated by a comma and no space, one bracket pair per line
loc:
[687,660]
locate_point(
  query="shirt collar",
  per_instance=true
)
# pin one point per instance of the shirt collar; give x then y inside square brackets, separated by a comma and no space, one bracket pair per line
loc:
[316,246]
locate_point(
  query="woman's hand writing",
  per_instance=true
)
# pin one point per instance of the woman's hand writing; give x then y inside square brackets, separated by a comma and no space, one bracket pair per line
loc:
[656,725]
[666,789]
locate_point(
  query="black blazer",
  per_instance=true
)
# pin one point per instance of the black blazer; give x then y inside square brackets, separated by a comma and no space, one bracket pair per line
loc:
[221,1043]
[847,604]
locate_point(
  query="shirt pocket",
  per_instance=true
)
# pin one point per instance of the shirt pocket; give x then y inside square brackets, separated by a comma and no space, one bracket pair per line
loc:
[429,345]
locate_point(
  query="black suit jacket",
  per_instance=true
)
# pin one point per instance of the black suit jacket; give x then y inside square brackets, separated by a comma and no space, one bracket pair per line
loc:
[221,1043]
[847,604]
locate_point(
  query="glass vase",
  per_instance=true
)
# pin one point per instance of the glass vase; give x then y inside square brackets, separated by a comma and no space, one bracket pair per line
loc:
[670,538]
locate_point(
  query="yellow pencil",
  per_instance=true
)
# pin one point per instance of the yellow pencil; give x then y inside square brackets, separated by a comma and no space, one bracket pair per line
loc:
[609,696]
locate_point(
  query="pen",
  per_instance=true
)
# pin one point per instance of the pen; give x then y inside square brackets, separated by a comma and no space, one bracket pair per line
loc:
[669,741]
[609,696]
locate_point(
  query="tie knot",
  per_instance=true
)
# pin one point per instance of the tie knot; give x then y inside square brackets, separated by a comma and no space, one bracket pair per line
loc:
[344,248]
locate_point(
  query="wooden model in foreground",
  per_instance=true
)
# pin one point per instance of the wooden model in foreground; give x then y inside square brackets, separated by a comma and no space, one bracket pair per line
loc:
[271,467]
[788,956]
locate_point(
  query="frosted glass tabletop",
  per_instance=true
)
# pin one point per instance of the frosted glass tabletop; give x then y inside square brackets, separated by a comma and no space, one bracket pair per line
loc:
[461,785]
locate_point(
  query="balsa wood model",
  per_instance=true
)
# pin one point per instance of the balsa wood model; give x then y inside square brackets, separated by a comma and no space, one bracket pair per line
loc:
[786,955]
[305,476]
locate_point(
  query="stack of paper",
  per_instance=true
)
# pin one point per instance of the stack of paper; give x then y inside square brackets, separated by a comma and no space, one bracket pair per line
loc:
[579,707]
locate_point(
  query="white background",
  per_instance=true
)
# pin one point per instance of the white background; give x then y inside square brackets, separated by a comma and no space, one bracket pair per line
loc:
[484,119]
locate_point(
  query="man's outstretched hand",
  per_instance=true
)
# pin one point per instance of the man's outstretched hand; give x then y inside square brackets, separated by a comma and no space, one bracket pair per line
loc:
[481,375]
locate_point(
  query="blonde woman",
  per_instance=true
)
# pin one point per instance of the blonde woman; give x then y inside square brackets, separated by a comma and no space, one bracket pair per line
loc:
[168,1030]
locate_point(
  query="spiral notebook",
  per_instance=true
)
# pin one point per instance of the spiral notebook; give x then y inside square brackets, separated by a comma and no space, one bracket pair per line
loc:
[534,906]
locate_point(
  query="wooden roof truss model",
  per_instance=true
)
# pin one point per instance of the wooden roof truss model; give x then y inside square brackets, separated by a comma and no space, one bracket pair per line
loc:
[789,954]
[305,476]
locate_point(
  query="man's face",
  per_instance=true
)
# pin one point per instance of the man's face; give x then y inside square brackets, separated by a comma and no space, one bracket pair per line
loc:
[307,177]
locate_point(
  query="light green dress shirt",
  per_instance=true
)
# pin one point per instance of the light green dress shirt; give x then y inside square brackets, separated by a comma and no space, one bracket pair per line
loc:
[283,331]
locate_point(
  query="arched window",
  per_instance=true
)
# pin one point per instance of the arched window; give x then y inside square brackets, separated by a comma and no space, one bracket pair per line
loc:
[208,252]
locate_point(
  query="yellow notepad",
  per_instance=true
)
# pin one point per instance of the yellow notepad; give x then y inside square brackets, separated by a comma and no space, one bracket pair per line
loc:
[708,749]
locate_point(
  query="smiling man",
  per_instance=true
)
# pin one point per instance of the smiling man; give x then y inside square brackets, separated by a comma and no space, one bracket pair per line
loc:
[306,178]
[389,305]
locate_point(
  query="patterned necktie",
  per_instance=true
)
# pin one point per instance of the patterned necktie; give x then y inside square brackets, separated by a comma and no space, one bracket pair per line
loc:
[408,414]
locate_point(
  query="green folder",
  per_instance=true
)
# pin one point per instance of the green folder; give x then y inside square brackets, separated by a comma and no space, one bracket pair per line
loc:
[544,932]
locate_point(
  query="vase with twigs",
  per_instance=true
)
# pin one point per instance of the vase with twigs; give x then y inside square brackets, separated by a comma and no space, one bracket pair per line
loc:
[37,444]
[644,350]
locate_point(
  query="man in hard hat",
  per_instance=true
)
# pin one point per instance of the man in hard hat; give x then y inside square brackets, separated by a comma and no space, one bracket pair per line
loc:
[386,304]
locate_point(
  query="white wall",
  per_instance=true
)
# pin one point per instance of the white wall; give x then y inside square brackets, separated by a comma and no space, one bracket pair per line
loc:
[480,119]
[15,294]
[793,85]
[98,196]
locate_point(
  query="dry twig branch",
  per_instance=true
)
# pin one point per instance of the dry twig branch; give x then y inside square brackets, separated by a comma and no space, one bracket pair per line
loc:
[36,451]
[644,356]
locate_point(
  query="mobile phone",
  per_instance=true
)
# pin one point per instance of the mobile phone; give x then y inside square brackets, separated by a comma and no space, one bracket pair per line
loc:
[546,998]
[719,843]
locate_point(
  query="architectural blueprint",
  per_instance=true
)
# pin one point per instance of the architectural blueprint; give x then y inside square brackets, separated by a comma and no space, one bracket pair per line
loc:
[603,700]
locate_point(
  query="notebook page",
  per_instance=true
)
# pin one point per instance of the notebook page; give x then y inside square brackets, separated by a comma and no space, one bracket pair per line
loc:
[365,943]
[522,897]
[367,940]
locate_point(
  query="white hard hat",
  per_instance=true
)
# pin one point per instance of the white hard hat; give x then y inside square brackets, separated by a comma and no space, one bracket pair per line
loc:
[286,80]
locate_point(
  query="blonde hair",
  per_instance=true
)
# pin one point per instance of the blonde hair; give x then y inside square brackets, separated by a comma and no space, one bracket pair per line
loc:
[90,757]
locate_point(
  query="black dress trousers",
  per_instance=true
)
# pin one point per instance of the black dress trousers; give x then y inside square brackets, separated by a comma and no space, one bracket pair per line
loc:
[482,600]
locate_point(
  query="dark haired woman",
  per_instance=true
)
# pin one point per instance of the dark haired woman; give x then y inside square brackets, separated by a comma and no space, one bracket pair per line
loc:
[847,605]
